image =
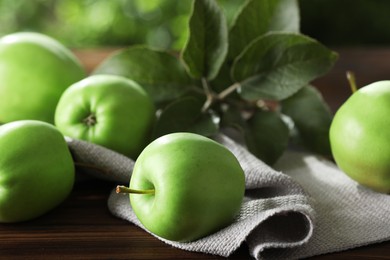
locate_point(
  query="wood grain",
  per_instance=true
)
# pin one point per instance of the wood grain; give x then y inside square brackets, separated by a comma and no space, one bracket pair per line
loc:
[83,228]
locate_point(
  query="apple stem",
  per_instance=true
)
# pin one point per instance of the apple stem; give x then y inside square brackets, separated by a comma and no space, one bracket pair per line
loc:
[352,81]
[124,189]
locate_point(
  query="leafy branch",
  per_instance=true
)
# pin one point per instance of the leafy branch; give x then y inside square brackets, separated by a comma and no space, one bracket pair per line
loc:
[254,76]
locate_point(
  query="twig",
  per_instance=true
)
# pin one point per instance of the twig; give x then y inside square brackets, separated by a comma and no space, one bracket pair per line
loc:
[228,91]
[209,95]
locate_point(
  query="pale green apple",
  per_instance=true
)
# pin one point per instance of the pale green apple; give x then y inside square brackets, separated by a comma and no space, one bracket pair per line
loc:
[34,71]
[190,185]
[360,136]
[36,170]
[108,110]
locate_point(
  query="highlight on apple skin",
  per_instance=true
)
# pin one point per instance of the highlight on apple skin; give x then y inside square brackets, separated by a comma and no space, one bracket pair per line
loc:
[185,186]
[360,136]
[36,170]
[107,110]
[35,70]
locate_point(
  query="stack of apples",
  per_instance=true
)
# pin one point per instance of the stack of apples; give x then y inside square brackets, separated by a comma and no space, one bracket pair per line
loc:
[45,95]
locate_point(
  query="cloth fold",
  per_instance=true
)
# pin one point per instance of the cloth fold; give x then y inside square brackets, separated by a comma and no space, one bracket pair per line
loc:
[303,206]
[348,215]
[276,212]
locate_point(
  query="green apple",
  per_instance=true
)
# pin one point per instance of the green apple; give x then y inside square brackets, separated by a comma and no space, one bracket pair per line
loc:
[34,71]
[360,136]
[36,170]
[108,110]
[190,185]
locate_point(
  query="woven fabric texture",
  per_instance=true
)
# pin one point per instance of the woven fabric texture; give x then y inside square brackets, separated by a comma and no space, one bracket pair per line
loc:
[303,206]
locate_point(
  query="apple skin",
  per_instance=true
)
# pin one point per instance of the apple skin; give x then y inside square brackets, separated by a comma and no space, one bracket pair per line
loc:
[34,71]
[199,186]
[36,170]
[360,136]
[108,110]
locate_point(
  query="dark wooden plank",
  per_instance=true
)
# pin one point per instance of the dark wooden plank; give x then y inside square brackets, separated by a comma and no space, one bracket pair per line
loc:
[83,228]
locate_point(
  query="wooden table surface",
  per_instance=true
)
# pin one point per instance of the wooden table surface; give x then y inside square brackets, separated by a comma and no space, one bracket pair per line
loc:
[83,228]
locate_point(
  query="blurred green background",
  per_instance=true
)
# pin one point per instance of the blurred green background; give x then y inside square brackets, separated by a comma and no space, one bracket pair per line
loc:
[162,23]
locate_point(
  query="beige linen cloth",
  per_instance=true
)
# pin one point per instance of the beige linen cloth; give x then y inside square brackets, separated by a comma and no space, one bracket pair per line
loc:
[303,206]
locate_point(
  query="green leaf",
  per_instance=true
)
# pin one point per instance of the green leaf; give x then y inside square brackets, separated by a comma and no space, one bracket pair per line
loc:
[222,80]
[267,136]
[184,115]
[277,65]
[285,16]
[161,74]
[312,118]
[257,17]
[207,44]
